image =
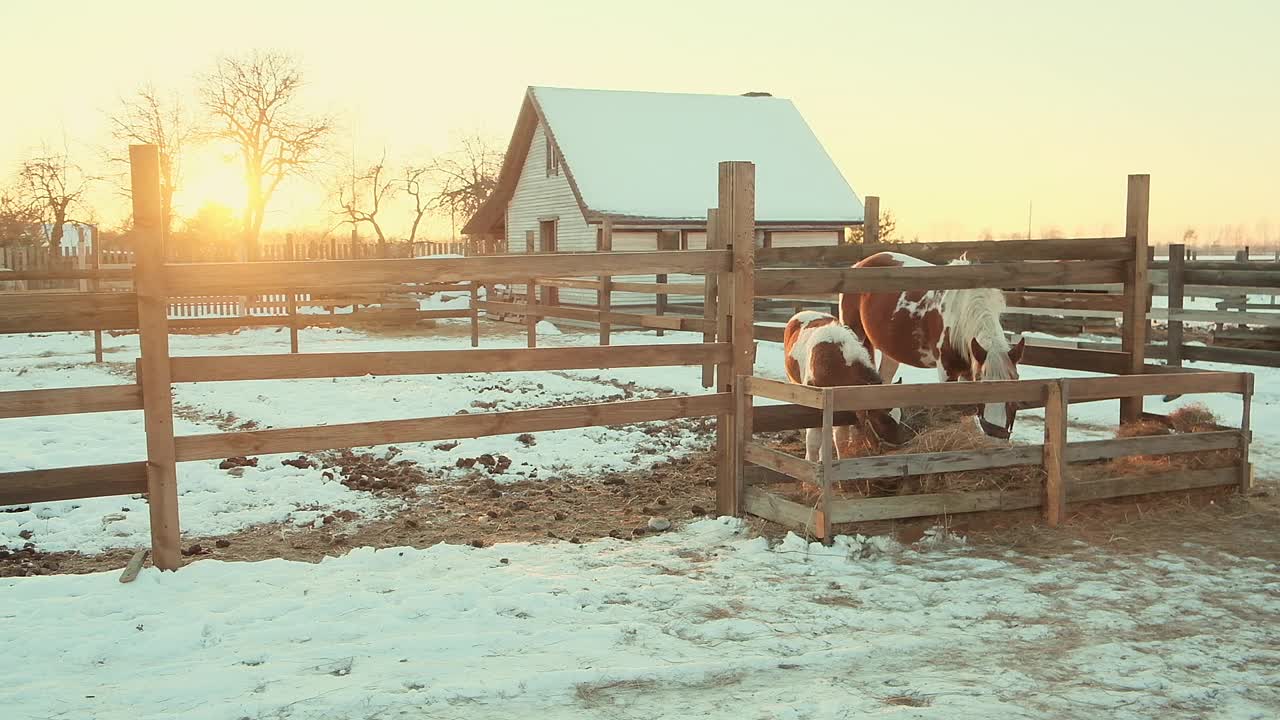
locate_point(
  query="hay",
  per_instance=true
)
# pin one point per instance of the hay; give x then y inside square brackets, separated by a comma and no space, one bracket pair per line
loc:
[953,430]
[1188,419]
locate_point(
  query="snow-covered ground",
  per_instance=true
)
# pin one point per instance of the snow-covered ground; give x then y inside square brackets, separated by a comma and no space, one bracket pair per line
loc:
[706,622]
[700,622]
[214,502]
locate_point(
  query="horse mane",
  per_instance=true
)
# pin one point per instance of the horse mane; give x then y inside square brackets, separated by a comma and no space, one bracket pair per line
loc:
[974,313]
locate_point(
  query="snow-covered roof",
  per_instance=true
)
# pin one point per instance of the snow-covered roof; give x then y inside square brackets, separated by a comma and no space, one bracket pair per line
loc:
[655,155]
[649,155]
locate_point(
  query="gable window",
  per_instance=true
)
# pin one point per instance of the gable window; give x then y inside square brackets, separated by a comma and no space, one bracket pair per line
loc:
[553,157]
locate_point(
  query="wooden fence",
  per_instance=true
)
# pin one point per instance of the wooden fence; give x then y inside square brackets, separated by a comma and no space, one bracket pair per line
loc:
[727,346]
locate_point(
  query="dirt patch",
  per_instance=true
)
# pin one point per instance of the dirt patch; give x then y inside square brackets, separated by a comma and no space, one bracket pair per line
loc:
[472,510]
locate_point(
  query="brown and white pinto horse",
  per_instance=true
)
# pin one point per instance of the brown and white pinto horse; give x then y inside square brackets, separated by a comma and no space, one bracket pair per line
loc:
[956,331]
[821,352]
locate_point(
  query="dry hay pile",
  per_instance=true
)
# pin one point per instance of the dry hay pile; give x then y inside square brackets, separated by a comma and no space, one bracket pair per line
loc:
[937,430]
[953,430]
[1188,419]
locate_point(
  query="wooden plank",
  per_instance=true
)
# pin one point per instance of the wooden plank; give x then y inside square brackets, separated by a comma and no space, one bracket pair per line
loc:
[762,503]
[570,283]
[1110,388]
[1156,483]
[1177,277]
[1065,301]
[709,301]
[826,460]
[659,287]
[1219,291]
[777,282]
[604,296]
[1246,434]
[218,368]
[737,217]
[35,486]
[474,312]
[871,220]
[726,441]
[878,397]
[910,506]
[1093,450]
[213,278]
[776,418]
[769,333]
[116,274]
[1113,248]
[385,432]
[134,567]
[26,312]
[530,294]
[70,401]
[665,322]
[1252,279]
[95,285]
[789,465]
[292,312]
[1055,458]
[1101,361]
[1233,317]
[891,466]
[1234,356]
[153,342]
[784,391]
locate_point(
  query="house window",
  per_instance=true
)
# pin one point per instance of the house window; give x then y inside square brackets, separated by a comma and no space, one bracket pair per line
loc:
[553,158]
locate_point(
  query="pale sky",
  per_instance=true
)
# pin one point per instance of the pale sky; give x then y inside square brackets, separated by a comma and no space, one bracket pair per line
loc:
[957,114]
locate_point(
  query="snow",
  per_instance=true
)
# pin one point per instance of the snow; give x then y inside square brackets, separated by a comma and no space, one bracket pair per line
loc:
[656,154]
[704,622]
[214,502]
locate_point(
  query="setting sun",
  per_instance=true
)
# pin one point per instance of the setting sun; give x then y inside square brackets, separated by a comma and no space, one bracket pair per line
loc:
[210,175]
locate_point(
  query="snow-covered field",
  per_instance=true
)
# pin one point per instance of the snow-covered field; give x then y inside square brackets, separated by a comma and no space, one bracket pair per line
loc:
[704,621]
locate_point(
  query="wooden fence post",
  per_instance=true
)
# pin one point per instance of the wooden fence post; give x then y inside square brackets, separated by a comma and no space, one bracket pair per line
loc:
[604,295]
[531,294]
[871,219]
[737,190]
[1177,277]
[822,526]
[153,339]
[1246,468]
[475,314]
[1136,288]
[1055,453]
[95,286]
[710,313]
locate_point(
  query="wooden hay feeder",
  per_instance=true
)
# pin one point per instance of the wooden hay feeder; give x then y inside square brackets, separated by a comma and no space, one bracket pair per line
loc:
[1071,471]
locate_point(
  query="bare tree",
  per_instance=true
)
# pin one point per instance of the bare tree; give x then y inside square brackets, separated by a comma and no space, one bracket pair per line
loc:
[253,101]
[361,201]
[19,223]
[465,177]
[888,230]
[414,177]
[146,118]
[52,187]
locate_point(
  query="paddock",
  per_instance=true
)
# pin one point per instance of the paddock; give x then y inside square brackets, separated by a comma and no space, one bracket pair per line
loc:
[735,273]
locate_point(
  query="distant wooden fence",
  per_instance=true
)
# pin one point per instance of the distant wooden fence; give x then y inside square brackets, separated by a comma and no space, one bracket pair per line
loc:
[727,346]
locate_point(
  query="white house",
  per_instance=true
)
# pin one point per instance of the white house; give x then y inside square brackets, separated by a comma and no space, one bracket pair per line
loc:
[647,162]
[76,237]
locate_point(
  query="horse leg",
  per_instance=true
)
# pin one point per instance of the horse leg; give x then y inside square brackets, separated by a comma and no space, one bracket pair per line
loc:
[888,368]
[813,444]
[844,435]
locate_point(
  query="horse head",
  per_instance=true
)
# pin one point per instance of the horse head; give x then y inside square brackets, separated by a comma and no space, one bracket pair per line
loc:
[996,419]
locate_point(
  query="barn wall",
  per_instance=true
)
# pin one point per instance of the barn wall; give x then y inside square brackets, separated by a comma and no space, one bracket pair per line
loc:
[538,197]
